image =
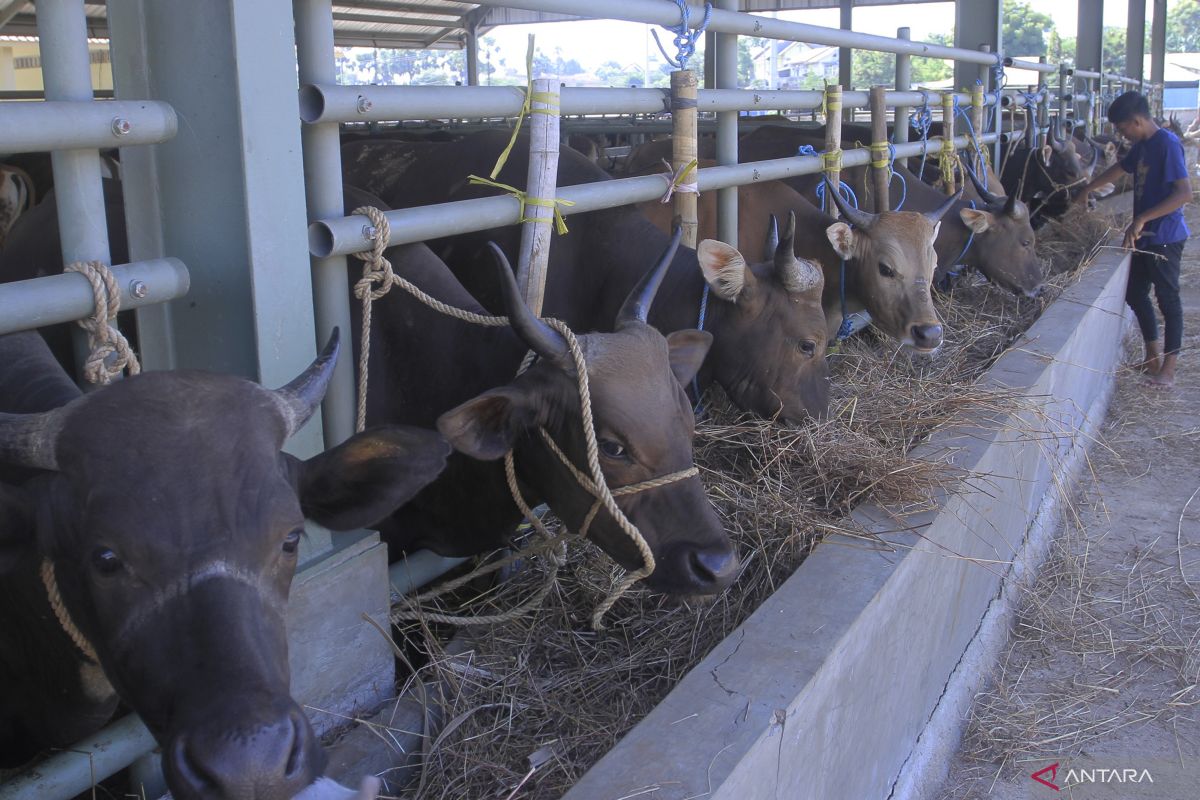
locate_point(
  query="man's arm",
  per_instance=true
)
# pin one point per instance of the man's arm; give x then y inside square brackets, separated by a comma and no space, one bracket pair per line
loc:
[1180,196]
[1109,175]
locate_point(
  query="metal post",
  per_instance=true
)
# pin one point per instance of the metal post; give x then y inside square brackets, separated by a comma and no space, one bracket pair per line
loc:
[710,59]
[323,179]
[845,54]
[879,165]
[1158,48]
[684,148]
[903,84]
[1135,40]
[67,74]
[472,47]
[1042,115]
[727,132]
[541,184]
[1063,96]
[1090,115]
[975,21]
[1089,33]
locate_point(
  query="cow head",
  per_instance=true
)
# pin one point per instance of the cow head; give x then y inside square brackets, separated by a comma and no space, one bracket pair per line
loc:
[170,521]
[1058,174]
[1004,245]
[890,262]
[643,424]
[769,353]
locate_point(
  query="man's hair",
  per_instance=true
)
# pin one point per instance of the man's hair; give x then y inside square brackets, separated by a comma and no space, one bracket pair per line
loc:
[1128,106]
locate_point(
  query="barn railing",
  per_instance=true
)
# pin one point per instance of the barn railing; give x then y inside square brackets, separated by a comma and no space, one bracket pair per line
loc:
[324,105]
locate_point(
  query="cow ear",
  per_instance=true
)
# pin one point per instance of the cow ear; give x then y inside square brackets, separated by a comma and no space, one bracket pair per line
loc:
[1110,150]
[724,270]
[688,349]
[978,221]
[1047,154]
[841,236]
[370,475]
[486,426]
[16,526]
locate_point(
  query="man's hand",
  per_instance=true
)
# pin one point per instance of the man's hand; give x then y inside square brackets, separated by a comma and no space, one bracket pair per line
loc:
[1081,198]
[1133,232]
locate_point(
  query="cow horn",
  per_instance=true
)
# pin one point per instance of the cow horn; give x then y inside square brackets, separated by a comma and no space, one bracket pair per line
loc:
[637,306]
[298,401]
[1095,158]
[988,197]
[1052,137]
[860,219]
[936,215]
[772,236]
[796,274]
[1010,205]
[537,335]
[28,440]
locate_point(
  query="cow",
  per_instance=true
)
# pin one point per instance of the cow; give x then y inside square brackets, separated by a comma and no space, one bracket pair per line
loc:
[593,267]
[1047,179]
[641,416]
[899,304]
[149,531]
[16,197]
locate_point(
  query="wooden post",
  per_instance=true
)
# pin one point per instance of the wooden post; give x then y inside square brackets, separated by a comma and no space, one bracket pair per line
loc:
[684,149]
[880,163]
[977,125]
[833,143]
[541,184]
[948,136]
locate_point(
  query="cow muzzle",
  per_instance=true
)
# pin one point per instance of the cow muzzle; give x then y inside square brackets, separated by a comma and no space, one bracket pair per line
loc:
[926,338]
[693,569]
[273,758]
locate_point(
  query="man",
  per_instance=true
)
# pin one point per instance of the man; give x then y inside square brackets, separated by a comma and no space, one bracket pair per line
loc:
[1157,232]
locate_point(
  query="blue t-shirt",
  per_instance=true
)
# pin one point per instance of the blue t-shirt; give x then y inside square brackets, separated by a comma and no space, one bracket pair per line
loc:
[1156,164]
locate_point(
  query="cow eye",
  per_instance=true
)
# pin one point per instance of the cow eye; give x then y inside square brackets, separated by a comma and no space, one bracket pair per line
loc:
[291,542]
[808,347]
[105,561]
[886,271]
[612,449]
[1026,243]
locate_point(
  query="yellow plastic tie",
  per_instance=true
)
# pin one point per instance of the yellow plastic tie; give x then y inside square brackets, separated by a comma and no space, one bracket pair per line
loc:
[525,109]
[880,155]
[832,160]
[524,199]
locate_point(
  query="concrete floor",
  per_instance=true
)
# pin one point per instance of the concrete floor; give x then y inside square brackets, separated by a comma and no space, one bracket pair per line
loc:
[1102,668]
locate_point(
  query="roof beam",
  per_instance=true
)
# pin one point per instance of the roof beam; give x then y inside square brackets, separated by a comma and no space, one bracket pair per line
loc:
[8,10]
[440,10]
[373,19]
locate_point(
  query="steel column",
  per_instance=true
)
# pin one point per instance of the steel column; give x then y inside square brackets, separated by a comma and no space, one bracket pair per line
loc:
[1089,35]
[323,179]
[727,128]
[903,84]
[1158,44]
[472,47]
[976,21]
[1135,39]
[845,54]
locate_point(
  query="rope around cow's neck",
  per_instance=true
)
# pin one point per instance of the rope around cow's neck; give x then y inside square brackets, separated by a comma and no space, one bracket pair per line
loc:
[378,270]
[62,615]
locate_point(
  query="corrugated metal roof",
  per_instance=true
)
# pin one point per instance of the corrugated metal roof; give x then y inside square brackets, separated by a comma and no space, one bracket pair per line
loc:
[415,24]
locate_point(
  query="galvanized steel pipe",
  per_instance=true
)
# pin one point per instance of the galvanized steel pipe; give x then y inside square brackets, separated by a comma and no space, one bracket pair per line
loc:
[71,125]
[323,185]
[727,126]
[323,102]
[55,299]
[74,771]
[352,234]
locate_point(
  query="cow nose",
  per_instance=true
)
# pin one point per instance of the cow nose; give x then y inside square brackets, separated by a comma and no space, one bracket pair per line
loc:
[927,337]
[711,569]
[273,761]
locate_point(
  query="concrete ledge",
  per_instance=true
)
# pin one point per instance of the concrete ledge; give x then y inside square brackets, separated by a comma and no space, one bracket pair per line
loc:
[339,663]
[825,689]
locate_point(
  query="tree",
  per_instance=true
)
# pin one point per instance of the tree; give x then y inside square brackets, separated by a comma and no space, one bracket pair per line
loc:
[872,68]
[1183,27]
[1024,30]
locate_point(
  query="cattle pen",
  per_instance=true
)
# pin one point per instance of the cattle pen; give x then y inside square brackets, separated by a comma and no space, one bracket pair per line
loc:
[237,245]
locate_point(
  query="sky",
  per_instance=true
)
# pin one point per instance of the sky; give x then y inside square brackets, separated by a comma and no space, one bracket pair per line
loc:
[594,42]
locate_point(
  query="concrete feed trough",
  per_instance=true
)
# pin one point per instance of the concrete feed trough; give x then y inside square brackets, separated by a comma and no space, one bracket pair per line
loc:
[824,691]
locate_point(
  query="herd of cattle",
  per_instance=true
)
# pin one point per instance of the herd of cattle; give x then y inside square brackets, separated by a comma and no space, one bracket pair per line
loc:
[148,536]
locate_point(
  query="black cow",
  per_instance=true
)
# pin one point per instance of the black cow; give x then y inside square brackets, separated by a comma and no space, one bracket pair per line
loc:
[164,512]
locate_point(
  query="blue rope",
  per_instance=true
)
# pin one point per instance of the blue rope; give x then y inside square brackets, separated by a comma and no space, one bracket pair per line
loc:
[685,38]
[844,188]
[699,408]
[982,163]
[970,240]
[843,331]
[921,120]
[893,174]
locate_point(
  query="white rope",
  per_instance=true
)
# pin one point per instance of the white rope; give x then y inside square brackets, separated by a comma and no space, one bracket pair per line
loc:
[110,351]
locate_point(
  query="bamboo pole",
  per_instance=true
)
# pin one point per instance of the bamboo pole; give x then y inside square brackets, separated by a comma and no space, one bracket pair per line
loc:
[880,166]
[833,143]
[977,157]
[541,185]
[948,134]
[683,150]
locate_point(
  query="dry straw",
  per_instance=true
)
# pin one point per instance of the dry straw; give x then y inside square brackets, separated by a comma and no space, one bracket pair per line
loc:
[540,699]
